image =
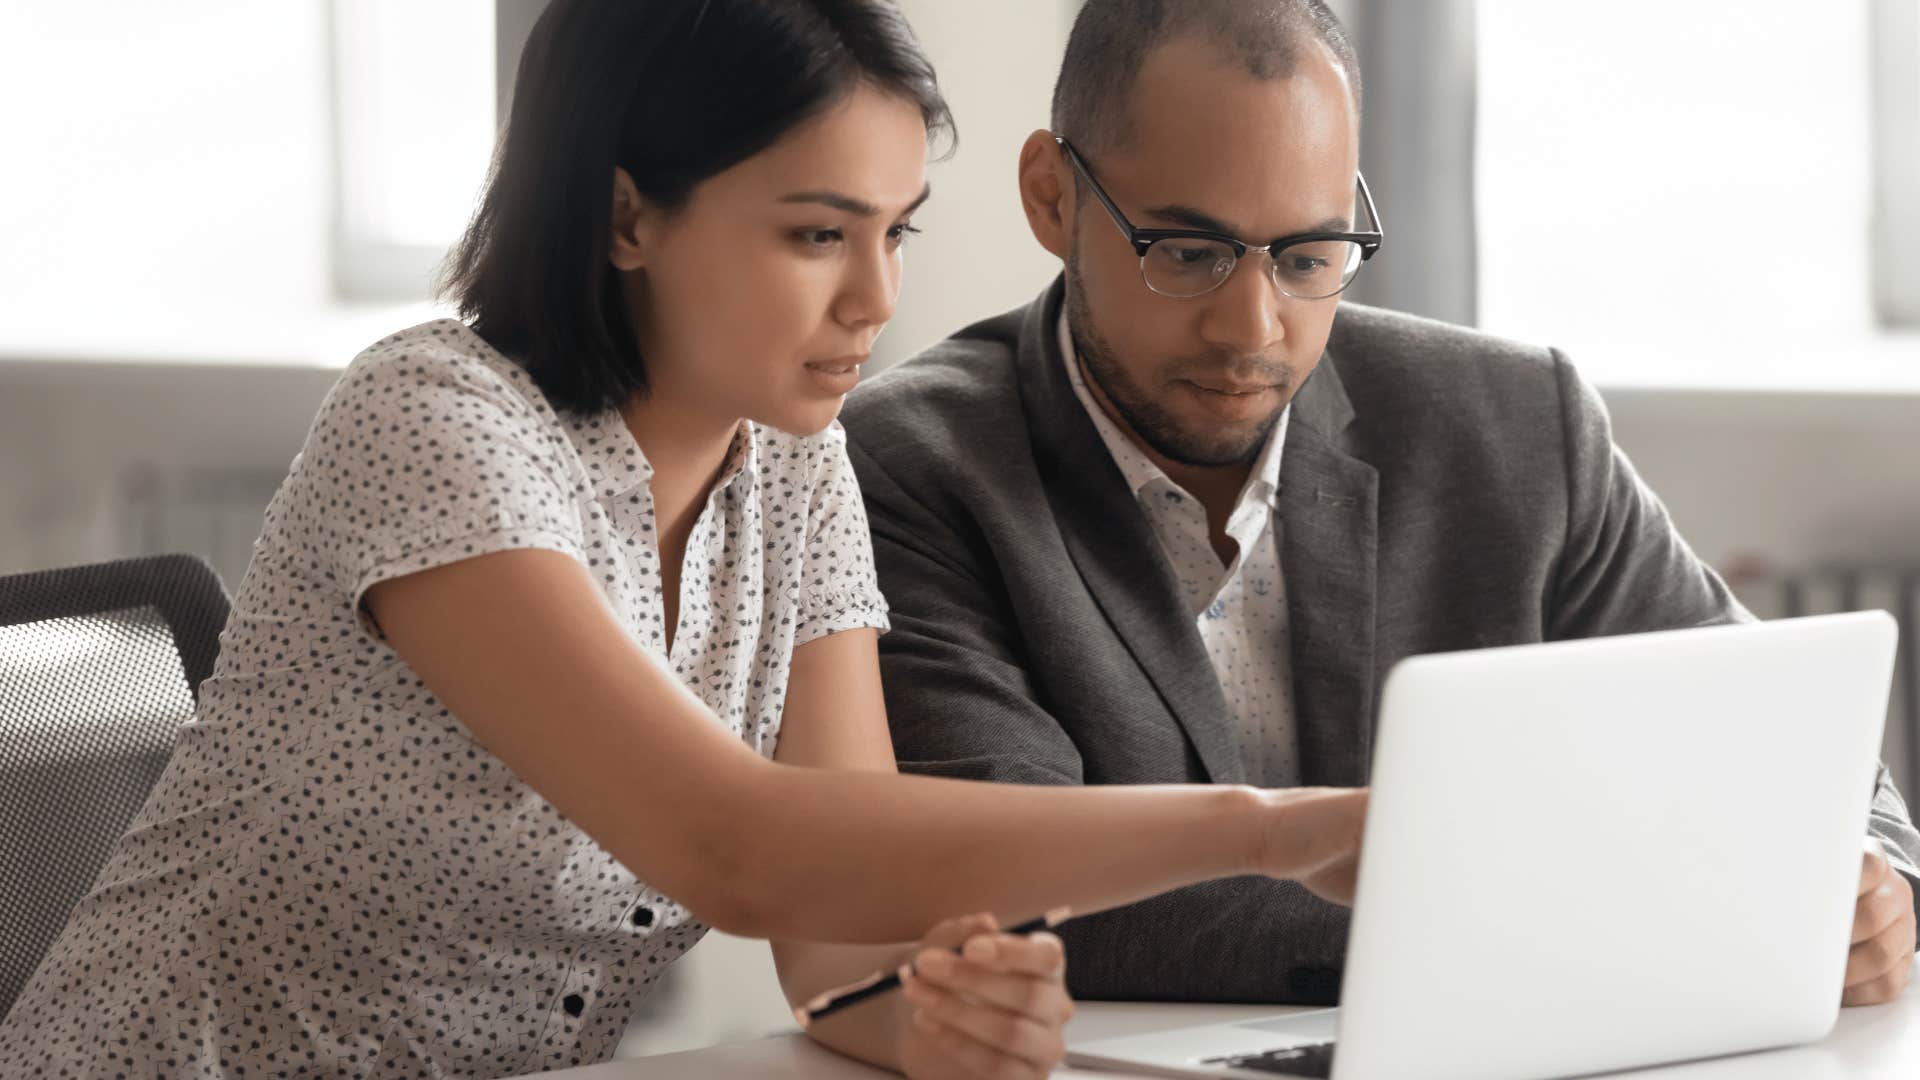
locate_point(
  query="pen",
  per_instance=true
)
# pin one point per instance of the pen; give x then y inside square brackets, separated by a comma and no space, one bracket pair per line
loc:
[832,1001]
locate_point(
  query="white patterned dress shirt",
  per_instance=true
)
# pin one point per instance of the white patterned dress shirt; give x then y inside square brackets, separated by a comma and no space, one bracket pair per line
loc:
[1240,610]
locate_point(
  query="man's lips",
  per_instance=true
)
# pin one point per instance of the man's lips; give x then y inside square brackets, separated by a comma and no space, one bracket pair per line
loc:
[1232,389]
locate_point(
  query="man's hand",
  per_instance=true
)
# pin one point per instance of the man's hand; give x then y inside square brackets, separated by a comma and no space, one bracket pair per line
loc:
[995,1010]
[1880,960]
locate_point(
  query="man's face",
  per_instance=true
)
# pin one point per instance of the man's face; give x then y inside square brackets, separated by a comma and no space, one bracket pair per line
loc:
[1202,380]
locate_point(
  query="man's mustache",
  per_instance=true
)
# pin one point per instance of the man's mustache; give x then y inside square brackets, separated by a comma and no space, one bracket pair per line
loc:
[1240,370]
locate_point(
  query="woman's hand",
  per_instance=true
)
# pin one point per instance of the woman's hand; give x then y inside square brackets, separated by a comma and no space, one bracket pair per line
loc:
[1314,838]
[995,1010]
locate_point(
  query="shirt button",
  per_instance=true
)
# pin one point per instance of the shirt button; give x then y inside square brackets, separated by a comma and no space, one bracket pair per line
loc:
[574,1004]
[643,916]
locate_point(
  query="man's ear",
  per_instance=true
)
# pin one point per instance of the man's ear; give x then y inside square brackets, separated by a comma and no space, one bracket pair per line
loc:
[1047,193]
[631,224]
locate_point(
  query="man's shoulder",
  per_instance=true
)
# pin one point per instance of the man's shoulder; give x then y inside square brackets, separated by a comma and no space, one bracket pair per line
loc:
[966,383]
[1396,366]
[1392,346]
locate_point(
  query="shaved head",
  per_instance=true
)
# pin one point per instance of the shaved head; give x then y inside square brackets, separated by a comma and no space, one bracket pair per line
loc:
[1112,39]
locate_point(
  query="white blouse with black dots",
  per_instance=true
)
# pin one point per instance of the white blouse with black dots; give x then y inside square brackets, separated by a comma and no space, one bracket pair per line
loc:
[332,878]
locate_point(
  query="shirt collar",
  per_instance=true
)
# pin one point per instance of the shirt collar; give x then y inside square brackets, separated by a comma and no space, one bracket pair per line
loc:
[617,466]
[1263,482]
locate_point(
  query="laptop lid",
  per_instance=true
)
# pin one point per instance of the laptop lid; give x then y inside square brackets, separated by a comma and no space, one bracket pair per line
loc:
[1598,854]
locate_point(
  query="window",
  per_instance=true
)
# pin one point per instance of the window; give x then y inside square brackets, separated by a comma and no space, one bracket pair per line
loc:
[1896,140]
[227,181]
[413,92]
[1682,194]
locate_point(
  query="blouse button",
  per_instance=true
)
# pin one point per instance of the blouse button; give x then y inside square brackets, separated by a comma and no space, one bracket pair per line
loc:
[574,1004]
[643,916]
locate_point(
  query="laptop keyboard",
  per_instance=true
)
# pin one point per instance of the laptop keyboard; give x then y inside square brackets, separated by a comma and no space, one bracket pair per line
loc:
[1313,1060]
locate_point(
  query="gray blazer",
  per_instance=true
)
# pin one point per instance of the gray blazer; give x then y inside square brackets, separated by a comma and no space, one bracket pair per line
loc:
[1440,489]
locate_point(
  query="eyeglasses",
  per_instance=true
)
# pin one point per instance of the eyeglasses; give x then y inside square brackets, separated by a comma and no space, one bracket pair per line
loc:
[1194,262]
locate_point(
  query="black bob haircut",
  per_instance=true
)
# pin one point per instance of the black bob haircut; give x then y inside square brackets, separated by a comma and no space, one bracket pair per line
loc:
[674,92]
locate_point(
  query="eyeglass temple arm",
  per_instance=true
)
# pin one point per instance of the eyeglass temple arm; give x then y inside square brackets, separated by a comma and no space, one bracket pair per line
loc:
[1366,197]
[1119,219]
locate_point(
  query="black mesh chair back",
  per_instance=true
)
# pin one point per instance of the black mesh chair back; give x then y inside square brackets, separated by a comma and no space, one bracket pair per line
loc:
[99,667]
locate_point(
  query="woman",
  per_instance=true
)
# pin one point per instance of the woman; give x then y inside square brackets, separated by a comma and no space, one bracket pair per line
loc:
[558,645]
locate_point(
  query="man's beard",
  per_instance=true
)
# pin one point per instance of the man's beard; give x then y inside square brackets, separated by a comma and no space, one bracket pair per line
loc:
[1153,422]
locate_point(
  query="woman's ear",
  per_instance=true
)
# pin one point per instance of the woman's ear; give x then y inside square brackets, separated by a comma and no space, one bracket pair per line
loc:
[631,221]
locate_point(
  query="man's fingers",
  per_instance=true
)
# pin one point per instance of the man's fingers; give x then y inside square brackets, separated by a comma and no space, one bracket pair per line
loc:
[1889,951]
[1878,990]
[1878,909]
[1873,869]
[1872,959]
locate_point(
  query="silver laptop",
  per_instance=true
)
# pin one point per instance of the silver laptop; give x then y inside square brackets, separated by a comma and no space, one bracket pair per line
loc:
[1592,855]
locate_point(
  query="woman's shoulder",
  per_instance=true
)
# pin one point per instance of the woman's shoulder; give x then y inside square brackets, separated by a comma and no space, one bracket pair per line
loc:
[437,393]
[440,364]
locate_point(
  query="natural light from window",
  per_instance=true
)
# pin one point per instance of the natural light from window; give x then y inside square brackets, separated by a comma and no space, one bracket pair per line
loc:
[1681,194]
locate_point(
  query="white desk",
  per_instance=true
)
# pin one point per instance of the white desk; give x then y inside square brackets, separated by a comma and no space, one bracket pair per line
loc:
[1880,1043]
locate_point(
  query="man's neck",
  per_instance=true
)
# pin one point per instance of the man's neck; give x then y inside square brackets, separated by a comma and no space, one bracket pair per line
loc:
[1217,487]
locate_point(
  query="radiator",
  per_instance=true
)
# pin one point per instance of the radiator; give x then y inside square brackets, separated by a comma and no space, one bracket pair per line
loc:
[1829,589]
[210,512]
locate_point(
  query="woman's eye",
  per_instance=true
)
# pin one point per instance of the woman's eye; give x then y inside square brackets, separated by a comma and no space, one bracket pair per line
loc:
[899,233]
[818,238]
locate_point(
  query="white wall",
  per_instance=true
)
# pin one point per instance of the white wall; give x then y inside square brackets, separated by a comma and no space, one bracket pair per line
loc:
[977,257]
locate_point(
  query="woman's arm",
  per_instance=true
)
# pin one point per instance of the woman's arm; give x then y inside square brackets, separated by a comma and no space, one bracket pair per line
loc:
[996,1010]
[521,647]
[835,717]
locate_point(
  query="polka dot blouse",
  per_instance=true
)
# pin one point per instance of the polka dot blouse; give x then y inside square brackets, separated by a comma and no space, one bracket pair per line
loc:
[332,878]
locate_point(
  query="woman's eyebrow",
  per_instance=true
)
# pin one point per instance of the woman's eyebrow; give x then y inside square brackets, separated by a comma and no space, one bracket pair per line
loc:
[851,205]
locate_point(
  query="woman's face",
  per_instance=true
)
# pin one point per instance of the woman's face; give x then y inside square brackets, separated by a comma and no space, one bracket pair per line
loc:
[761,296]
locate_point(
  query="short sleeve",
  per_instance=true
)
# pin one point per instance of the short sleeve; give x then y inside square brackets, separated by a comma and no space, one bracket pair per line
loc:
[422,458]
[839,589]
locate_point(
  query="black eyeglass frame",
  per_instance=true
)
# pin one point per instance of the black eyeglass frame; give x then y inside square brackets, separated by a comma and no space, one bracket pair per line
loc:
[1142,239]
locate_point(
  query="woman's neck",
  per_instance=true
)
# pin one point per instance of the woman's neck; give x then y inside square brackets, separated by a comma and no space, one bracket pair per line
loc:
[686,447]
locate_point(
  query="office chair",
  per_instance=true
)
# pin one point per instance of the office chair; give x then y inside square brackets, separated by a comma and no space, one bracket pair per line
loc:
[99,666]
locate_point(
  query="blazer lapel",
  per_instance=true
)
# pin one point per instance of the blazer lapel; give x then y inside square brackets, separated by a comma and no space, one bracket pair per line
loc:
[1114,549]
[1329,513]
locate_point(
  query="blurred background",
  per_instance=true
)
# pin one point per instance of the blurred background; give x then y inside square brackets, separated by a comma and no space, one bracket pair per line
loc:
[207,207]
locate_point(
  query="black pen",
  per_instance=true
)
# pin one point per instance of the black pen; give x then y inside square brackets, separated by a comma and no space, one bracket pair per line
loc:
[832,1001]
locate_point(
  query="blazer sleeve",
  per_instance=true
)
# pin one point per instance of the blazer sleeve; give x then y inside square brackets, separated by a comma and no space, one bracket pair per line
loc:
[1625,569]
[959,700]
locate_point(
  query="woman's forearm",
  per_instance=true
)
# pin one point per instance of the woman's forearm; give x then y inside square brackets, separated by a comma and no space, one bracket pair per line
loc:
[870,1031]
[865,857]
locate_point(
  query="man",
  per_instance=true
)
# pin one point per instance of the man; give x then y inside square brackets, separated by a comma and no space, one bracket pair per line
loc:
[1174,521]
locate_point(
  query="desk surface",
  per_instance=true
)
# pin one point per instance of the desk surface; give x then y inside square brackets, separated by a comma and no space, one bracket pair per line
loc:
[1879,1043]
